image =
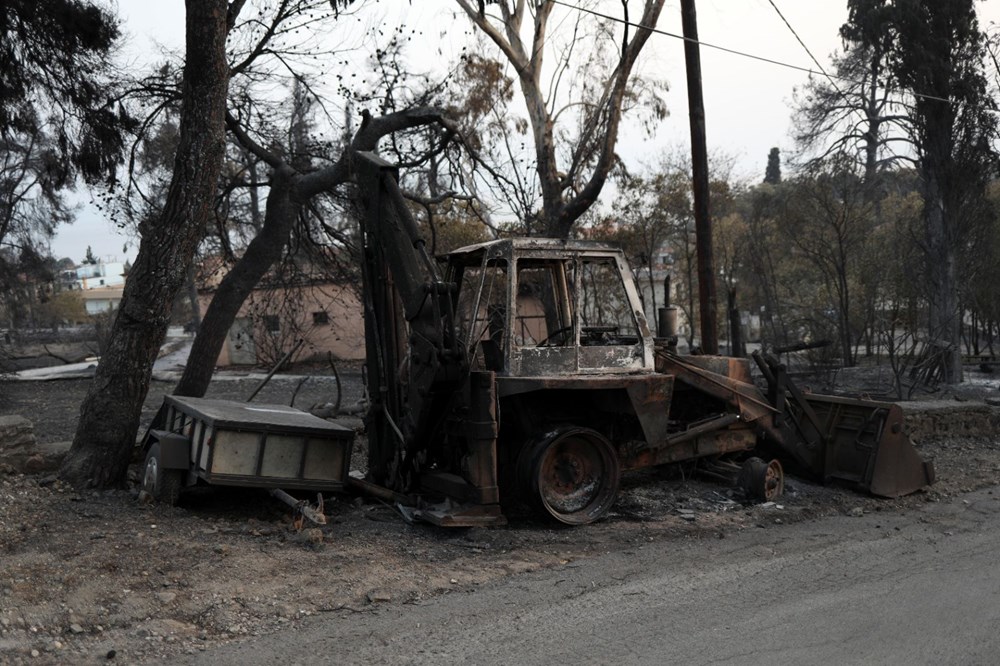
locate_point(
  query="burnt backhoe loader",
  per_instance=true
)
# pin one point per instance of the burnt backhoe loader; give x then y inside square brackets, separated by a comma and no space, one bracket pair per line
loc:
[524,369]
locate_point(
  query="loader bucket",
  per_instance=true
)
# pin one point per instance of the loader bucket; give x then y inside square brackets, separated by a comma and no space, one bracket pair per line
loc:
[853,440]
[862,442]
[899,469]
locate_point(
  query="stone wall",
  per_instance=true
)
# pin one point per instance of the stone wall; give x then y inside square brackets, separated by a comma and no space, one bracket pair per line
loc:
[17,441]
[956,419]
[21,452]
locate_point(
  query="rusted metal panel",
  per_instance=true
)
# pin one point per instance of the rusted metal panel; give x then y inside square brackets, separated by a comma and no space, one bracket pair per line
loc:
[898,468]
[612,358]
[734,368]
[651,401]
[751,404]
[731,439]
[865,444]
[508,386]
[544,361]
[482,429]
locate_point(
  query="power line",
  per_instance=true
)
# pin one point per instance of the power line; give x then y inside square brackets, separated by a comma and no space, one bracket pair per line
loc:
[806,48]
[724,49]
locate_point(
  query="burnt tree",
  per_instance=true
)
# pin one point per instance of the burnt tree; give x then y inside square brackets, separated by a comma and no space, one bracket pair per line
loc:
[570,177]
[290,190]
[109,415]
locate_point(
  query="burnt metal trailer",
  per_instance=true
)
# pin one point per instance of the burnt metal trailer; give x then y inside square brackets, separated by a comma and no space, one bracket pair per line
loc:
[226,443]
[525,369]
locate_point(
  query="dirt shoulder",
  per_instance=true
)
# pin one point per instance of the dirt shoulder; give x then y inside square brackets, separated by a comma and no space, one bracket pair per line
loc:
[88,575]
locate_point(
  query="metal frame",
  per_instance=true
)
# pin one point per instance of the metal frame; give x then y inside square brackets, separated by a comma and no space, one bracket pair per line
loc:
[202,418]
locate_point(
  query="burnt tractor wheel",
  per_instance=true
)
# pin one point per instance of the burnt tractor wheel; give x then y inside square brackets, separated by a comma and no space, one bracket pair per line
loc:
[572,475]
[162,484]
[762,481]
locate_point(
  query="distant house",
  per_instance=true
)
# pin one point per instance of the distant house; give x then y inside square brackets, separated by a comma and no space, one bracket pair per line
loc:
[99,300]
[95,276]
[100,284]
[327,315]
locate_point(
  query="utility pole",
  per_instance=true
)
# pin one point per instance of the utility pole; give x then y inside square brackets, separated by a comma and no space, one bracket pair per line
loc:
[699,166]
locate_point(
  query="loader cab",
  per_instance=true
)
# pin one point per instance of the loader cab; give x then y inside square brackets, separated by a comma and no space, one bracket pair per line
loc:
[543,307]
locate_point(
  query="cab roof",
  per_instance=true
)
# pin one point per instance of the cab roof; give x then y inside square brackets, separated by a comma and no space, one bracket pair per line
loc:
[530,246]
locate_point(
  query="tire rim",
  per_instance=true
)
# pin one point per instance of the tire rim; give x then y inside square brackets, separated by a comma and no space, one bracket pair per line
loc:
[774,480]
[149,478]
[576,477]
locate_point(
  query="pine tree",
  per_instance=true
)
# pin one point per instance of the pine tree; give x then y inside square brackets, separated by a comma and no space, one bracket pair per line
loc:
[772,175]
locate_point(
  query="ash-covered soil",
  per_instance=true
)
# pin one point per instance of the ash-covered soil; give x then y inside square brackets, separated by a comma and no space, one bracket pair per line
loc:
[96,575]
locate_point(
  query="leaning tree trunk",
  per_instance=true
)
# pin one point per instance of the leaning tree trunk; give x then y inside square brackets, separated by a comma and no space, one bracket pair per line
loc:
[263,252]
[109,415]
[288,192]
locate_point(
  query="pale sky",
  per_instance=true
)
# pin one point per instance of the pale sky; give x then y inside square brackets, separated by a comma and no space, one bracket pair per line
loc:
[747,102]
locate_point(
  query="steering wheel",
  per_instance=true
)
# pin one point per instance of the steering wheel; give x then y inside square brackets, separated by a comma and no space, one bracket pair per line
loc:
[556,333]
[600,330]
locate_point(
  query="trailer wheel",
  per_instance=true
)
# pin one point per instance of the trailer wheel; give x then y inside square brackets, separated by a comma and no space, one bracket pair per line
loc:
[163,485]
[763,481]
[571,475]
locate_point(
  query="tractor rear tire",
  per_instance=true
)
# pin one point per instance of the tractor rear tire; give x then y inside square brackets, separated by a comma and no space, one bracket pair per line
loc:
[571,475]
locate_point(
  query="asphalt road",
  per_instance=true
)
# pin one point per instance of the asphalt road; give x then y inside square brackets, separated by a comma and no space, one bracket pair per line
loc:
[921,587]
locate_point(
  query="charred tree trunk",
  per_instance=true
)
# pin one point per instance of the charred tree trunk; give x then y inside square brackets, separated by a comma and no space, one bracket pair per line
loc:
[264,250]
[941,194]
[942,267]
[289,191]
[192,294]
[109,415]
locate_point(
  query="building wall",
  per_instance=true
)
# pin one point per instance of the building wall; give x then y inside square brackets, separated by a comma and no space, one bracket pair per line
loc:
[96,276]
[329,317]
[100,300]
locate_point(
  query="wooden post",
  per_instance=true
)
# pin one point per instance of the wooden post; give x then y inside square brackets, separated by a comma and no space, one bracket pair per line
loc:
[699,165]
[735,328]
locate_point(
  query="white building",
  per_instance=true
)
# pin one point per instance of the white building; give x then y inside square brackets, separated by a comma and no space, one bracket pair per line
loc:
[96,276]
[101,284]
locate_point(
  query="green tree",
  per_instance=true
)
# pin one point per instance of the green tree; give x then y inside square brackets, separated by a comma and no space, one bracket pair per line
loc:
[829,221]
[772,174]
[63,307]
[861,113]
[54,55]
[58,120]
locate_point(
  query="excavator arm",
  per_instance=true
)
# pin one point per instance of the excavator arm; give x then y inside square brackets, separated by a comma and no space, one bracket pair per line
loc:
[414,361]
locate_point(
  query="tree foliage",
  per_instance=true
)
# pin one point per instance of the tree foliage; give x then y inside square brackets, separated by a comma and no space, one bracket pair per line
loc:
[860,113]
[912,87]
[54,58]
[58,119]
[772,174]
[938,57]
[300,205]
